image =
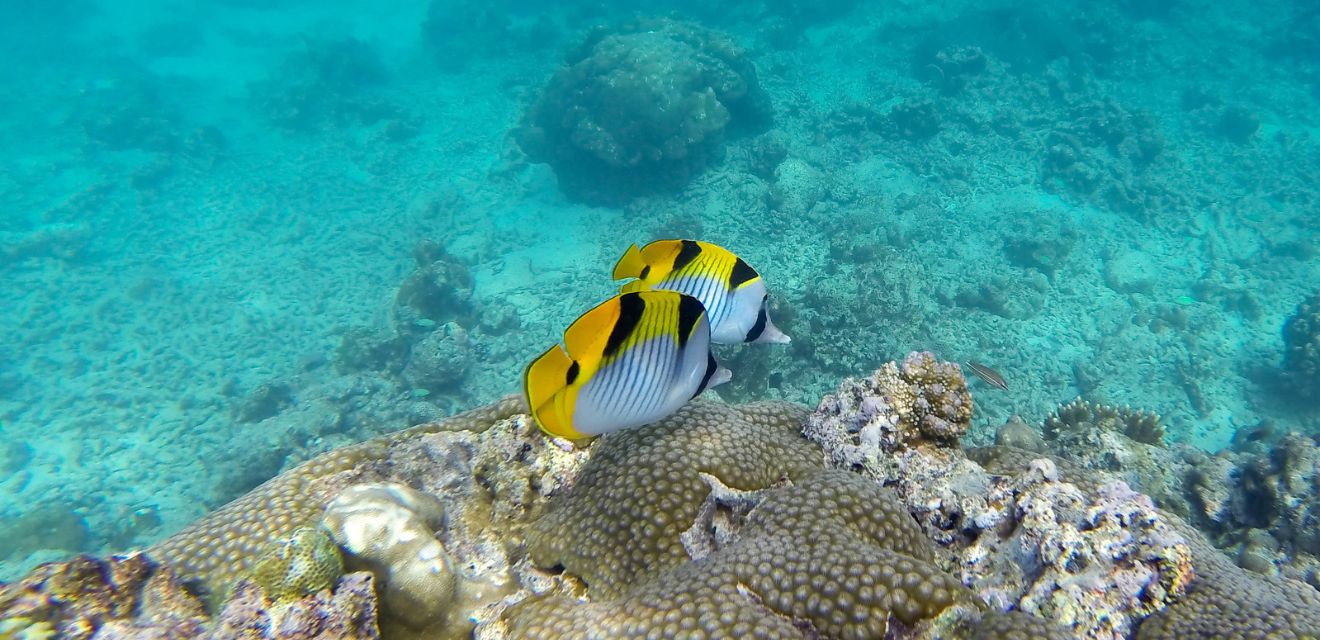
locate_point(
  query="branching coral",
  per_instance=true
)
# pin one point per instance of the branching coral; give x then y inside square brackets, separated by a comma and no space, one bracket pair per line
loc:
[641,107]
[1137,424]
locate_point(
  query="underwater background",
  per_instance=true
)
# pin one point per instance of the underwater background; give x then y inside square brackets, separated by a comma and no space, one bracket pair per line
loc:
[236,234]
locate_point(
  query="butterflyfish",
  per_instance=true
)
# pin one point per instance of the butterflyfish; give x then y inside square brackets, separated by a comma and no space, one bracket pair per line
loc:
[632,360]
[732,292]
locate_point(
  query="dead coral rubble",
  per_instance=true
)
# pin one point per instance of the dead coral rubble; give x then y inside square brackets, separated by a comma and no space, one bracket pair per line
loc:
[1097,559]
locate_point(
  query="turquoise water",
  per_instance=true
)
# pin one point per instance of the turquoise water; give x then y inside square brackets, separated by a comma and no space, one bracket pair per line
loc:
[212,216]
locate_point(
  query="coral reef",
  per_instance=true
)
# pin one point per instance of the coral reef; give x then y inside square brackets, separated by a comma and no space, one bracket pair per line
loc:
[1228,602]
[1139,425]
[1260,502]
[387,529]
[87,596]
[721,521]
[1301,356]
[306,562]
[613,543]
[1097,559]
[921,400]
[438,291]
[349,613]
[832,556]
[222,546]
[329,82]
[641,107]
[440,360]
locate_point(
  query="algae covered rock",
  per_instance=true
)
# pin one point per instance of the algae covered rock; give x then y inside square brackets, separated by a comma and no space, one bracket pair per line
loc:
[641,107]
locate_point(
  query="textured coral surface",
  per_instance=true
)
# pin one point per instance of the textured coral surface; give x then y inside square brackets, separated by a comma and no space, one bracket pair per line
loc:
[722,521]
[639,107]
[641,489]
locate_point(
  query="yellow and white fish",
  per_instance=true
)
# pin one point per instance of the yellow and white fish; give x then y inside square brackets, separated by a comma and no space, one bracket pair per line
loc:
[731,290]
[632,360]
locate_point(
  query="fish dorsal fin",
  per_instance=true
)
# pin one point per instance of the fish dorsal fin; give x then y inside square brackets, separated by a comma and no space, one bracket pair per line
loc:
[635,286]
[585,338]
[631,265]
[545,377]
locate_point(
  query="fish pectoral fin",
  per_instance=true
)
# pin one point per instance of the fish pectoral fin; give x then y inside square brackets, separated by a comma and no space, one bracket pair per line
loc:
[630,265]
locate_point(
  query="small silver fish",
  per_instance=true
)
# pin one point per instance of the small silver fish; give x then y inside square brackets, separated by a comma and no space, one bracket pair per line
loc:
[990,376]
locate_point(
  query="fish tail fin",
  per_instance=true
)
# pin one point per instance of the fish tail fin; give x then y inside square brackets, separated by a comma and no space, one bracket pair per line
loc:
[773,335]
[630,265]
[544,377]
[715,376]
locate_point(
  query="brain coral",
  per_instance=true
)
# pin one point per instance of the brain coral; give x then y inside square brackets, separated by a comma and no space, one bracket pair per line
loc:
[833,556]
[641,107]
[1301,343]
[641,489]
[388,529]
[304,563]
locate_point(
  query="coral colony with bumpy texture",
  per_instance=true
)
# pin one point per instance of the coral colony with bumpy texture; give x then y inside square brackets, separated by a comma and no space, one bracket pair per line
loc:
[842,319]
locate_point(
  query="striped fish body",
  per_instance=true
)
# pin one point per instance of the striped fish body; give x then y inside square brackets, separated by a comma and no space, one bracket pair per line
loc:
[632,360]
[732,292]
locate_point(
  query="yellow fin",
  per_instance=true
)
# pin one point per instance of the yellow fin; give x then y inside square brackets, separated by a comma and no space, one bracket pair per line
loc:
[635,286]
[585,338]
[543,381]
[630,265]
[545,376]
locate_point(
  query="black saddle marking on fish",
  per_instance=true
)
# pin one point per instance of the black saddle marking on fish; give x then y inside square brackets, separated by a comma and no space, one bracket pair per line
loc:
[687,254]
[711,368]
[631,307]
[573,370]
[689,311]
[742,272]
[759,327]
